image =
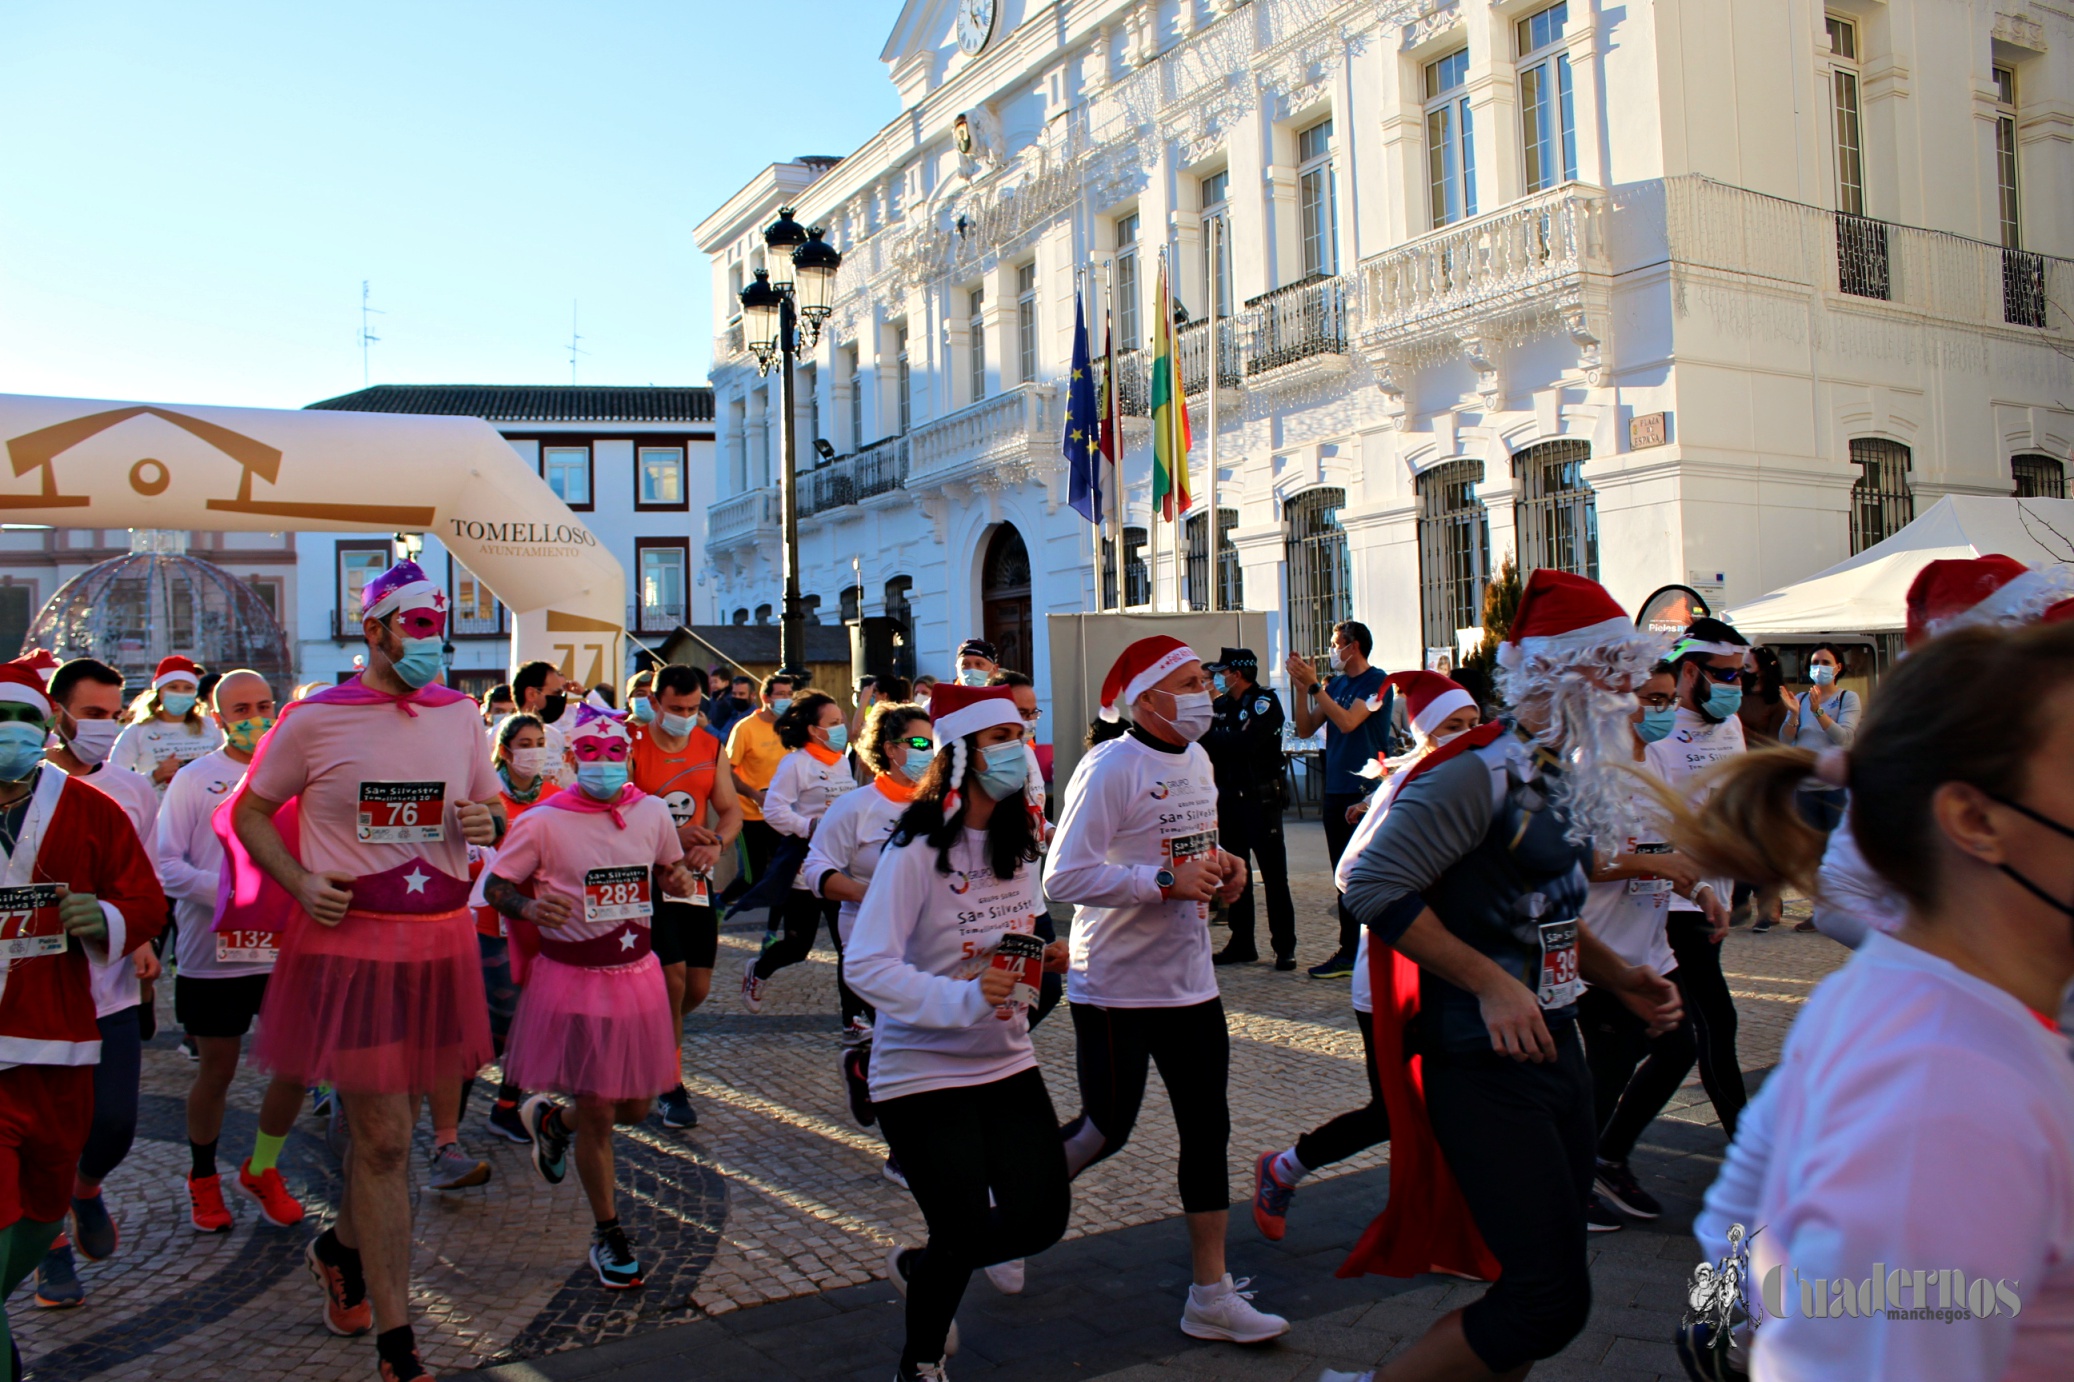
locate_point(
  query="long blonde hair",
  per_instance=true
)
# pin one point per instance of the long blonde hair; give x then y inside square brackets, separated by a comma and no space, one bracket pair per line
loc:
[145,708]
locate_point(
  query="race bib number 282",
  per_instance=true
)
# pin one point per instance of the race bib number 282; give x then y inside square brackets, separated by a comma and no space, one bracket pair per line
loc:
[616,894]
[402,813]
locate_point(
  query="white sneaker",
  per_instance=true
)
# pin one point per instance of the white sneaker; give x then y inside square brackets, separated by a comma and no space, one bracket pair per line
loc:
[1228,1314]
[896,1272]
[752,987]
[1007,1277]
[1330,1376]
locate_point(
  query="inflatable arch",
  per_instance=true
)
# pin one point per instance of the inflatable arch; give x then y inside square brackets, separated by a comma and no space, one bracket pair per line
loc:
[82,463]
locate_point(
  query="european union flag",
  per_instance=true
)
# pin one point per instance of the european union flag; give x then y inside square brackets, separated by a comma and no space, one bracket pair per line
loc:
[1083,428]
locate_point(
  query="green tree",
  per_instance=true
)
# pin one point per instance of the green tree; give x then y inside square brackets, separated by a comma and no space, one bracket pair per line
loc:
[1500,603]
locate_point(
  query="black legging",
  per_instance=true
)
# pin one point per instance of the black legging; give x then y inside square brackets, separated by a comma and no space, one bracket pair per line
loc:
[1712,1012]
[801,919]
[1339,830]
[986,1166]
[1633,1074]
[1115,1047]
[114,1127]
[1356,1130]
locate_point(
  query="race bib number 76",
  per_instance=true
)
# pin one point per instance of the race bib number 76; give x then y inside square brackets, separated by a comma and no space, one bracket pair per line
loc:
[402,813]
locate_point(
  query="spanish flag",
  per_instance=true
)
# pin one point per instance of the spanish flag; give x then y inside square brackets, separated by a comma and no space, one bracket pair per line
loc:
[1170,437]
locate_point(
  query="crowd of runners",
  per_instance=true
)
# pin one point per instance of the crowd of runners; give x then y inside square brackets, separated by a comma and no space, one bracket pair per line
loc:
[388,897]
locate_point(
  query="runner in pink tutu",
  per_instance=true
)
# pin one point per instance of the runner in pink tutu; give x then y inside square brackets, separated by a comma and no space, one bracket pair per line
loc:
[378,987]
[594,1019]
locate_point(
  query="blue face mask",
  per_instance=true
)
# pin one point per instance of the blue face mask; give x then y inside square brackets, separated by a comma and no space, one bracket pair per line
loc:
[781,705]
[601,780]
[641,710]
[1004,772]
[1218,681]
[1723,701]
[421,662]
[677,726]
[918,761]
[838,737]
[178,703]
[21,749]
[1655,724]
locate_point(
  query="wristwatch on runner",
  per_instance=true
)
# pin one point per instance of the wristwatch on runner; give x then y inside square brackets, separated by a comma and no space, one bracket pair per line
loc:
[1165,879]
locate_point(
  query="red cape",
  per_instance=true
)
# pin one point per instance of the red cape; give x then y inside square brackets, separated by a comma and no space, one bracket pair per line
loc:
[1425,1226]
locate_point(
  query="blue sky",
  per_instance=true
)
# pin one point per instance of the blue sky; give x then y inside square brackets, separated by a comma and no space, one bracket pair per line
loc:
[194,192]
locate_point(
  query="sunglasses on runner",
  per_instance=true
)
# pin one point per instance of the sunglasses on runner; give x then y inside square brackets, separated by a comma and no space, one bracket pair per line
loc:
[1727,676]
[919,741]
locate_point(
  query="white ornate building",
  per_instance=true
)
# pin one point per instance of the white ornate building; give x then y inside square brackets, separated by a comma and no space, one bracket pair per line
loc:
[1699,291]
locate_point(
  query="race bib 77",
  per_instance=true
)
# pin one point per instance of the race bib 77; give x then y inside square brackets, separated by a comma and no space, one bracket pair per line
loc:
[29,922]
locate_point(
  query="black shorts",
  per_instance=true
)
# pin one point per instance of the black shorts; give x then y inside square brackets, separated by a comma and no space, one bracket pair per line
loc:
[685,935]
[218,1007]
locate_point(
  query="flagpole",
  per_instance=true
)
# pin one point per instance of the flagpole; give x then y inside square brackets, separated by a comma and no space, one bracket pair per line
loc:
[1216,363]
[1082,278]
[1164,306]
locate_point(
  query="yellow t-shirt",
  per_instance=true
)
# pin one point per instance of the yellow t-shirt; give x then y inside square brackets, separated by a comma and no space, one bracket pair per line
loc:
[753,748]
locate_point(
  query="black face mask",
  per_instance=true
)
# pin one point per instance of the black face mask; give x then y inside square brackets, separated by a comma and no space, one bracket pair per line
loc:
[551,709]
[2026,884]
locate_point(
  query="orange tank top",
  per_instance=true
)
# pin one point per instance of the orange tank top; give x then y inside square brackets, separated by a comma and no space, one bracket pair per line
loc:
[683,779]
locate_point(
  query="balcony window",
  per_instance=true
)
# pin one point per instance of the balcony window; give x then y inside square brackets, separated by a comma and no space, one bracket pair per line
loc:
[2038,477]
[358,563]
[1547,121]
[1314,548]
[661,473]
[1882,504]
[1137,576]
[1216,227]
[1026,324]
[1230,584]
[1454,550]
[476,612]
[853,362]
[1850,145]
[1450,141]
[662,567]
[2007,204]
[901,379]
[567,470]
[1317,195]
[1557,515]
[1127,282]
[976,344]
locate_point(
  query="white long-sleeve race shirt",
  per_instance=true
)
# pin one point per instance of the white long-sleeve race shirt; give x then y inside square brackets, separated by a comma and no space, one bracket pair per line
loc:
[1132,810]
[849,839]
[115,983]
[190,861]
[1693,746]
[921,939]
[141,746]
[801,789]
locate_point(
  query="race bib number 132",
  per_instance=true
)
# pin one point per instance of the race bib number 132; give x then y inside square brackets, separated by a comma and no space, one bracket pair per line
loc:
[402,813]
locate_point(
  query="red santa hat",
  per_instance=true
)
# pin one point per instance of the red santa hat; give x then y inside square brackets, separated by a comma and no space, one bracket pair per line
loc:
[1429,698]
[957,711]
[1562,614]
[1142,666]
[175,668]
[43,660]
[21,683]
[1992,589]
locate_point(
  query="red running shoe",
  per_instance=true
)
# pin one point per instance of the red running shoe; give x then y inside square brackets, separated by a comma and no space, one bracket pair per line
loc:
[412,1371]
[205,1207]
[347,1310]
[276,1205]
[1270,1199]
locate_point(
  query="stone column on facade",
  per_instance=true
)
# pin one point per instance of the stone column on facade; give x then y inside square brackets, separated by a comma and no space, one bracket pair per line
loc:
[1259,546]
[1493,91]
[1499,493]
[757,455]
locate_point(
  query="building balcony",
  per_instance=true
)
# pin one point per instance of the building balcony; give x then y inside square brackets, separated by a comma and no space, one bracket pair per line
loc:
[999,440]
[1515,268]
[1298,333]
[728,343]
[880,468]
[655,618]
[743,519]
[1192,345]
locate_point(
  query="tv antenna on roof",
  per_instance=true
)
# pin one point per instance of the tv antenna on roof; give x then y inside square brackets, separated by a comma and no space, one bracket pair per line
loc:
[575,337]
[367,338]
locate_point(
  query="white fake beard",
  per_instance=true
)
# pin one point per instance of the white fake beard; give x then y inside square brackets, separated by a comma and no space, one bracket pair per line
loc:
[1587,726]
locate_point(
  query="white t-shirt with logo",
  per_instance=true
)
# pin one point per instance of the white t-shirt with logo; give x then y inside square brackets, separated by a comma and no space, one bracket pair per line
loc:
[1628,914]
[1132,810]
[190,863]
[1689,749]
[141,747]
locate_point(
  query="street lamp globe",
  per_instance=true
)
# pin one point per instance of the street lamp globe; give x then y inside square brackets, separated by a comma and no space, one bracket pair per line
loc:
[814,266]
[782,237]
[760,308]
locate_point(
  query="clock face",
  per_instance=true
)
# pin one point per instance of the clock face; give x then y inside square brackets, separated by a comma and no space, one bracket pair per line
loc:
[975,24]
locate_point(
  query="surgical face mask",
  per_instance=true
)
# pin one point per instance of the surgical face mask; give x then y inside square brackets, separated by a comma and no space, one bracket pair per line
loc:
[1191,718]
[420,664]
[918,761]
[242,735]
[1339,664]
[91,740]
[178,703]
[1723,701]
[21,749]
[641,710]
[528,762]
[1004,772]
[1441,741]
[601,780]
[972,676]
[677,726]
[838,737]
[2026,884]
[781,704]
[1223,688]
[1822,674]
[1656,723]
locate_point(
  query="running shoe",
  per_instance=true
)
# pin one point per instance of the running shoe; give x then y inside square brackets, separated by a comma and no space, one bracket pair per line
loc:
[189,1049]
[1228,1314]
[1599,1219]
[1616,1184]
[550,1137]
[1284,963]
[676,1108]
[897,1262]
[93,1232]
[412,1370]
[323,1100]
[1232,955]
[921,1372]
[892,1172]
[347,1310]
[450,1168]
[1763,925]
[856,1063]
[1329,1375]
[1270,1198]
[752,987]
[1807,925]
[504,1121]
[612,1258]
[1007,1276]
[270,1193]
[1338,967]
[57,1285]
[205,1207]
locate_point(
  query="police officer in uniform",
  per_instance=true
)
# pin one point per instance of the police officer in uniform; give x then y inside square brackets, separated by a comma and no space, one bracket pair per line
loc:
[1245,748]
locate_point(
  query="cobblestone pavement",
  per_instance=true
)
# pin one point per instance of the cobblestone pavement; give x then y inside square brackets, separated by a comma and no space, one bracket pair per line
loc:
[775,1201]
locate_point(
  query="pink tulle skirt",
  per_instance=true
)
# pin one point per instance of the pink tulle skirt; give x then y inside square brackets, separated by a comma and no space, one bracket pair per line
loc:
[377,1004]
[600,1033]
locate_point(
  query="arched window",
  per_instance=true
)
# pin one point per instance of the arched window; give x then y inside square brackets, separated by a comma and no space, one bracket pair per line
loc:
[2038,477]
[740,617]
[900,614]
[1314,547]
[1231,592]
[1557,517]
[1137,576]
[1454,550]
[1004,594]
[1882,504]
[763,614]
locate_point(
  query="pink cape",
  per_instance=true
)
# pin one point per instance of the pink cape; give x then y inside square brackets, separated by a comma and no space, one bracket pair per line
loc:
[576,799]
[247,897]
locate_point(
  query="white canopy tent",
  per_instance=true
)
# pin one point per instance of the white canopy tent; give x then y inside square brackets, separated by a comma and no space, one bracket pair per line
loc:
[1868,594]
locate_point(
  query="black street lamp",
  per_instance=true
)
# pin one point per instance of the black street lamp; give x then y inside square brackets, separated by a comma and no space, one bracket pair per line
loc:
[782,312]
